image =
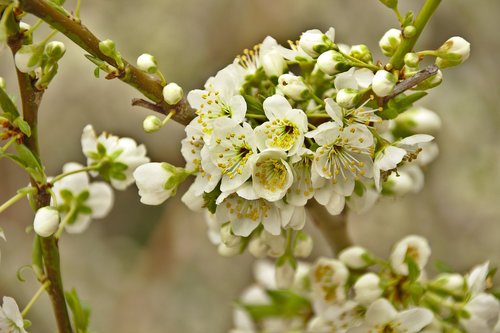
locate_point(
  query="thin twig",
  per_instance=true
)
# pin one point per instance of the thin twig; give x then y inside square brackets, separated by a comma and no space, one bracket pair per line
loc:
[411,82]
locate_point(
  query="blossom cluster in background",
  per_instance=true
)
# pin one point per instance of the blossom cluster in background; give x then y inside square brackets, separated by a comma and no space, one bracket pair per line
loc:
[360,293]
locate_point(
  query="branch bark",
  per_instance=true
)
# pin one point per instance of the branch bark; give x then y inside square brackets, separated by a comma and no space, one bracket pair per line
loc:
[333,228]
[31,98]
[57,17]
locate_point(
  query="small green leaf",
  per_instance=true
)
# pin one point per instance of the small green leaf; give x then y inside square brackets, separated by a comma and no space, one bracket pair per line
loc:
[20,123]
[80,311]
[253,104]
[210,199]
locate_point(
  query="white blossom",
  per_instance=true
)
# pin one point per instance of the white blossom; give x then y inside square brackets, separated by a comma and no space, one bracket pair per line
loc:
[355,257]
[413,246]
[271,59]
[285,127]
[314,42]
[383,83]
[91,200]
[272,176]
[121,156]
[453,52]
[292,86]
[328,277]
[11,320]
[151,179]
[382,317]
[483,313]
[147,63]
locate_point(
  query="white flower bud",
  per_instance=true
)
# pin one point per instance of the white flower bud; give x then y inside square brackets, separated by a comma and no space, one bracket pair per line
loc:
[28,57]
[55,50]
[398,184]
[285,272]
[24,26]
[227,237]
[419,120]
[257,247]
[172,93]
[152,124]
[147,63]
[361,52]
[46,221]
[151,179]
[273,63]
[275,244]
[332,62]
[292,86]
[314,42]
[347,98]
[367,289]
[383,83]
[452,282]
[415,247]
[453,52]
[390,42]
[303,245]
[354,257]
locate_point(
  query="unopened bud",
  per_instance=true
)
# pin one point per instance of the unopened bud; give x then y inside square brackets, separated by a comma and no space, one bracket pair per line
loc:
[411,59]
[314,42]
[285,272]
[292,86]
[55,50]
[147,63]
[390,42]
[226,251]
[361,52]
[227,236]
[46,221]
[172,93]
[355,257]
[108,48]
[273,63]
[409,31]
[347,98]
[453,52]
[383,83]
[367,289]
[332,62]
[398,184]
[419,120]
[152,124]
[28,57]
[450,281]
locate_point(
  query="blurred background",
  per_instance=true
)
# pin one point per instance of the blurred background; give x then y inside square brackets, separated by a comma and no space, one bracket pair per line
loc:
[152,269]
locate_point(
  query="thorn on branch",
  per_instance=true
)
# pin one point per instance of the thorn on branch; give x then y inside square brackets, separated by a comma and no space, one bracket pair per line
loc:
[148,105]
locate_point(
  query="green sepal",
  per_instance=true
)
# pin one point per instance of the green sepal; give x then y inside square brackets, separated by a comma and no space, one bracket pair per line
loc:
[210,199]
[82,197]
[23,126]
[359,188]
[85,210]
[80,311]
[413,269]
[253,104]
[408,19]
[26,323]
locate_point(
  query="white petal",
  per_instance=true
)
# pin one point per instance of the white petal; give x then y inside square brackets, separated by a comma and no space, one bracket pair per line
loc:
[416,139]
[89,140]
[80,225]
[334,111]
[101,199]
[276,106]
[414,320]
[380,312]
[336,204]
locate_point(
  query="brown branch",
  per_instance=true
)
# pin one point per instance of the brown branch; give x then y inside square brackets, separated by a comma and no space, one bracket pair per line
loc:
[72,27]
[411,82]
[333,228]
[31,98]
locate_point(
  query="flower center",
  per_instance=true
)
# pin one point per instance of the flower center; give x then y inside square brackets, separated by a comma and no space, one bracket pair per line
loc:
[272,174]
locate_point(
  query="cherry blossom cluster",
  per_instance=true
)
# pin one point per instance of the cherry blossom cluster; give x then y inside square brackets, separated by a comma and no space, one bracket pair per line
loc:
[359,293]
[280,126]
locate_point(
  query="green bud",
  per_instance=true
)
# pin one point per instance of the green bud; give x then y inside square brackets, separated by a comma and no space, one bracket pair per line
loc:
[409,31]
[347,98]
[108,48]
[29,57]
[333,62]
[411,59]
[55,50]
[361,52]
[453,52]
[172,93]
[390,42]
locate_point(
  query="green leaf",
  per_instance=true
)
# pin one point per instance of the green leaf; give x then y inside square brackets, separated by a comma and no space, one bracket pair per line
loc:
[7,105]
[20,123]
[28,162]
[80,311]
[210,199]
[58,2]
[390,3]
[253,104]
